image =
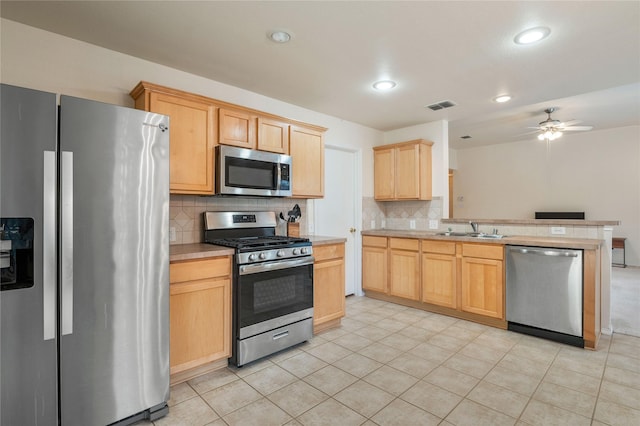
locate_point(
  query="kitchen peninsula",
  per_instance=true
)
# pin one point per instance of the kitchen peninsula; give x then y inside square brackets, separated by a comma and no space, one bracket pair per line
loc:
[464,275]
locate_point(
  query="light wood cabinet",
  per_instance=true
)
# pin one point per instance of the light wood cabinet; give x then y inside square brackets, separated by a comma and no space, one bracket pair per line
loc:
[404,264]
[273,135]
[374,263]
[200,313]
[328,286]
[199,123]
[403,171]
[306,148]
[439,276]
[482,280]
[236,128]
[384,177]
[191,130]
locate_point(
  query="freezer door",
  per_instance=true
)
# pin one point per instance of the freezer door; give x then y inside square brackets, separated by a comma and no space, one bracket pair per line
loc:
[28,271]
[114,292]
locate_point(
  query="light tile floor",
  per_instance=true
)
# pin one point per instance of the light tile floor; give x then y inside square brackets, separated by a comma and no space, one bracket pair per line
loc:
[392,365]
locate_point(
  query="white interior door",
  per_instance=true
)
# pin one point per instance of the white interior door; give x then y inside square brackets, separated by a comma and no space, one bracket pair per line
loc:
[336,214]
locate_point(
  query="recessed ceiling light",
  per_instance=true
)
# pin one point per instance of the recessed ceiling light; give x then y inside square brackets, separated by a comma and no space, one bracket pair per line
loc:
[532,35]
[502,98]
[280,36]
[384,85]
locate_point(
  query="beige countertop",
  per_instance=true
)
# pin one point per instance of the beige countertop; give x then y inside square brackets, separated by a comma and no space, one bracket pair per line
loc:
[319,240]
[536,222]
[575,243]
[179,252]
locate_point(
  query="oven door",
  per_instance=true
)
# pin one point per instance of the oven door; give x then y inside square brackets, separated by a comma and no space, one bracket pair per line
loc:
[273,294]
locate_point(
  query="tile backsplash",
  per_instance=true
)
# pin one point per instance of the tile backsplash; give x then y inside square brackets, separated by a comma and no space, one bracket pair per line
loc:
[186,213]
[399,214]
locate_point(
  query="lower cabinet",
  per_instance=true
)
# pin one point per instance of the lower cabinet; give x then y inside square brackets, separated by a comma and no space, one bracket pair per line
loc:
[439,276]
[374,263]
[461,279]
[200,313]
[404,262]
[328,286]
[482,280]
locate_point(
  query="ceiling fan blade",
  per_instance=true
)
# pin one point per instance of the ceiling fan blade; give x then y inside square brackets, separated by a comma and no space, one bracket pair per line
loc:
[571,122]
[577,128]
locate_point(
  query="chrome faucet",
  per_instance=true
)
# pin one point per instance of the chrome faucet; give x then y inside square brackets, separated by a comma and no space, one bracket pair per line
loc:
[474,226]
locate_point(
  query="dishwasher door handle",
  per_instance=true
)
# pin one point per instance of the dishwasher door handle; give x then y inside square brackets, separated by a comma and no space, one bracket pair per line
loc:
[542,252]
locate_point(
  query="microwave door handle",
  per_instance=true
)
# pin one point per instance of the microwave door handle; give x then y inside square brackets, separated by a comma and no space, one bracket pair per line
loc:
[278,176]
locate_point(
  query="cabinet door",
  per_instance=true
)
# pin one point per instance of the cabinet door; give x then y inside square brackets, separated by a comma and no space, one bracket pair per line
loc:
[384,174]
[191,149]
[273,136]
[236,128]
[306,148]
[200,317]
[404,280]
[374,269]
[482,287]
[407,172]
[328,291]
[439,279]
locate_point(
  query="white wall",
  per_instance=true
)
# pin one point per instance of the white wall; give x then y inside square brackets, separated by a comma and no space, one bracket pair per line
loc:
[46,61]
[597,172]
[438,133]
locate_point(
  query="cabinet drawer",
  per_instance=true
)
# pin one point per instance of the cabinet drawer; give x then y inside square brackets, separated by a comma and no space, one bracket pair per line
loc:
[442,247]
[370,241]
[404,244]
[200,269]
[484,251]
[333,251]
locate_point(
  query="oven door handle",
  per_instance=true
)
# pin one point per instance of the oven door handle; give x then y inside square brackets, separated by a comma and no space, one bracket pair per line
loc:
[275,266]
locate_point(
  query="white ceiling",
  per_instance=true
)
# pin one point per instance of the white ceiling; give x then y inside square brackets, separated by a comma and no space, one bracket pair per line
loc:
[589,67]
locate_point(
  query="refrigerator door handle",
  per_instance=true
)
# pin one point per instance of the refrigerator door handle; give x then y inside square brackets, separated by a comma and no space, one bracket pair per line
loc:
[67,243]
[49,251]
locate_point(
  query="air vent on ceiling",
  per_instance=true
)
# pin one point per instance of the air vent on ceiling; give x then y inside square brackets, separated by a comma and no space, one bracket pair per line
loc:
[441,105]
[465,137]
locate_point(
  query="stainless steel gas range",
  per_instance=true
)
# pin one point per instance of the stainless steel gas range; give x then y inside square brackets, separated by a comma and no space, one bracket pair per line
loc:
[272,283]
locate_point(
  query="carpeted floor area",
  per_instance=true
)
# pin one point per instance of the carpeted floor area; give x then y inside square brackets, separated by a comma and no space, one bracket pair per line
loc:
[625,300]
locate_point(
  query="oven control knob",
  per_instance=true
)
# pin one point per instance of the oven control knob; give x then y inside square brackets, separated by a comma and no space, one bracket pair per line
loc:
[304,250]
[296,251]
[262,256]
[252,257]
[280,253]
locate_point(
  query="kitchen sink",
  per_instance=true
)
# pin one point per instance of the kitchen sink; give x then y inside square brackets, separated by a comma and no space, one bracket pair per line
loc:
[471,235]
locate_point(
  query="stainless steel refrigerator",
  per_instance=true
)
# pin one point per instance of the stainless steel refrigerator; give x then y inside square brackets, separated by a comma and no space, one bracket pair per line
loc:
[84,256]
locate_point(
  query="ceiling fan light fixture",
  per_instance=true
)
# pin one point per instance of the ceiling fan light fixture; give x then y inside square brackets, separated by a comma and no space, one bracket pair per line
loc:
[384,85]
[532,35]
[502,99]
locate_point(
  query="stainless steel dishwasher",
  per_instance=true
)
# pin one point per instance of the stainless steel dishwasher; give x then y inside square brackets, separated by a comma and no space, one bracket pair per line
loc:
[544,293]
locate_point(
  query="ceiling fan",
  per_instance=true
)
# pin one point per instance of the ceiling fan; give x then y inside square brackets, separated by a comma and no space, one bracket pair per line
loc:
[551,129]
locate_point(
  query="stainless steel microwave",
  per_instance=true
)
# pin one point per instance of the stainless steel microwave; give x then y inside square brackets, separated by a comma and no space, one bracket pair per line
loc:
[241,171]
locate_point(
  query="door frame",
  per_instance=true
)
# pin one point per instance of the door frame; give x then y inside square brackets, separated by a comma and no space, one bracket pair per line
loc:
[357,242]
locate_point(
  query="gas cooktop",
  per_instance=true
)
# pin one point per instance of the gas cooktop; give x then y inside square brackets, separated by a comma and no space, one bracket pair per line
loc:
[273,241]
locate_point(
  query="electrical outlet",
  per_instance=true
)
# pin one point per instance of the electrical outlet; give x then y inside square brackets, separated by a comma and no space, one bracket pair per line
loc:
[433,224]
[412,224]
[558,230]
[172,234]
[383,223]
[373,224]
[311,228]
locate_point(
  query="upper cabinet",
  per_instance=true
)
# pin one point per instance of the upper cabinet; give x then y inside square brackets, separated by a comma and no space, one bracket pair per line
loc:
[191,132]
[237,128]
[198,124]
[306,147]
[402,171]
[273,135]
